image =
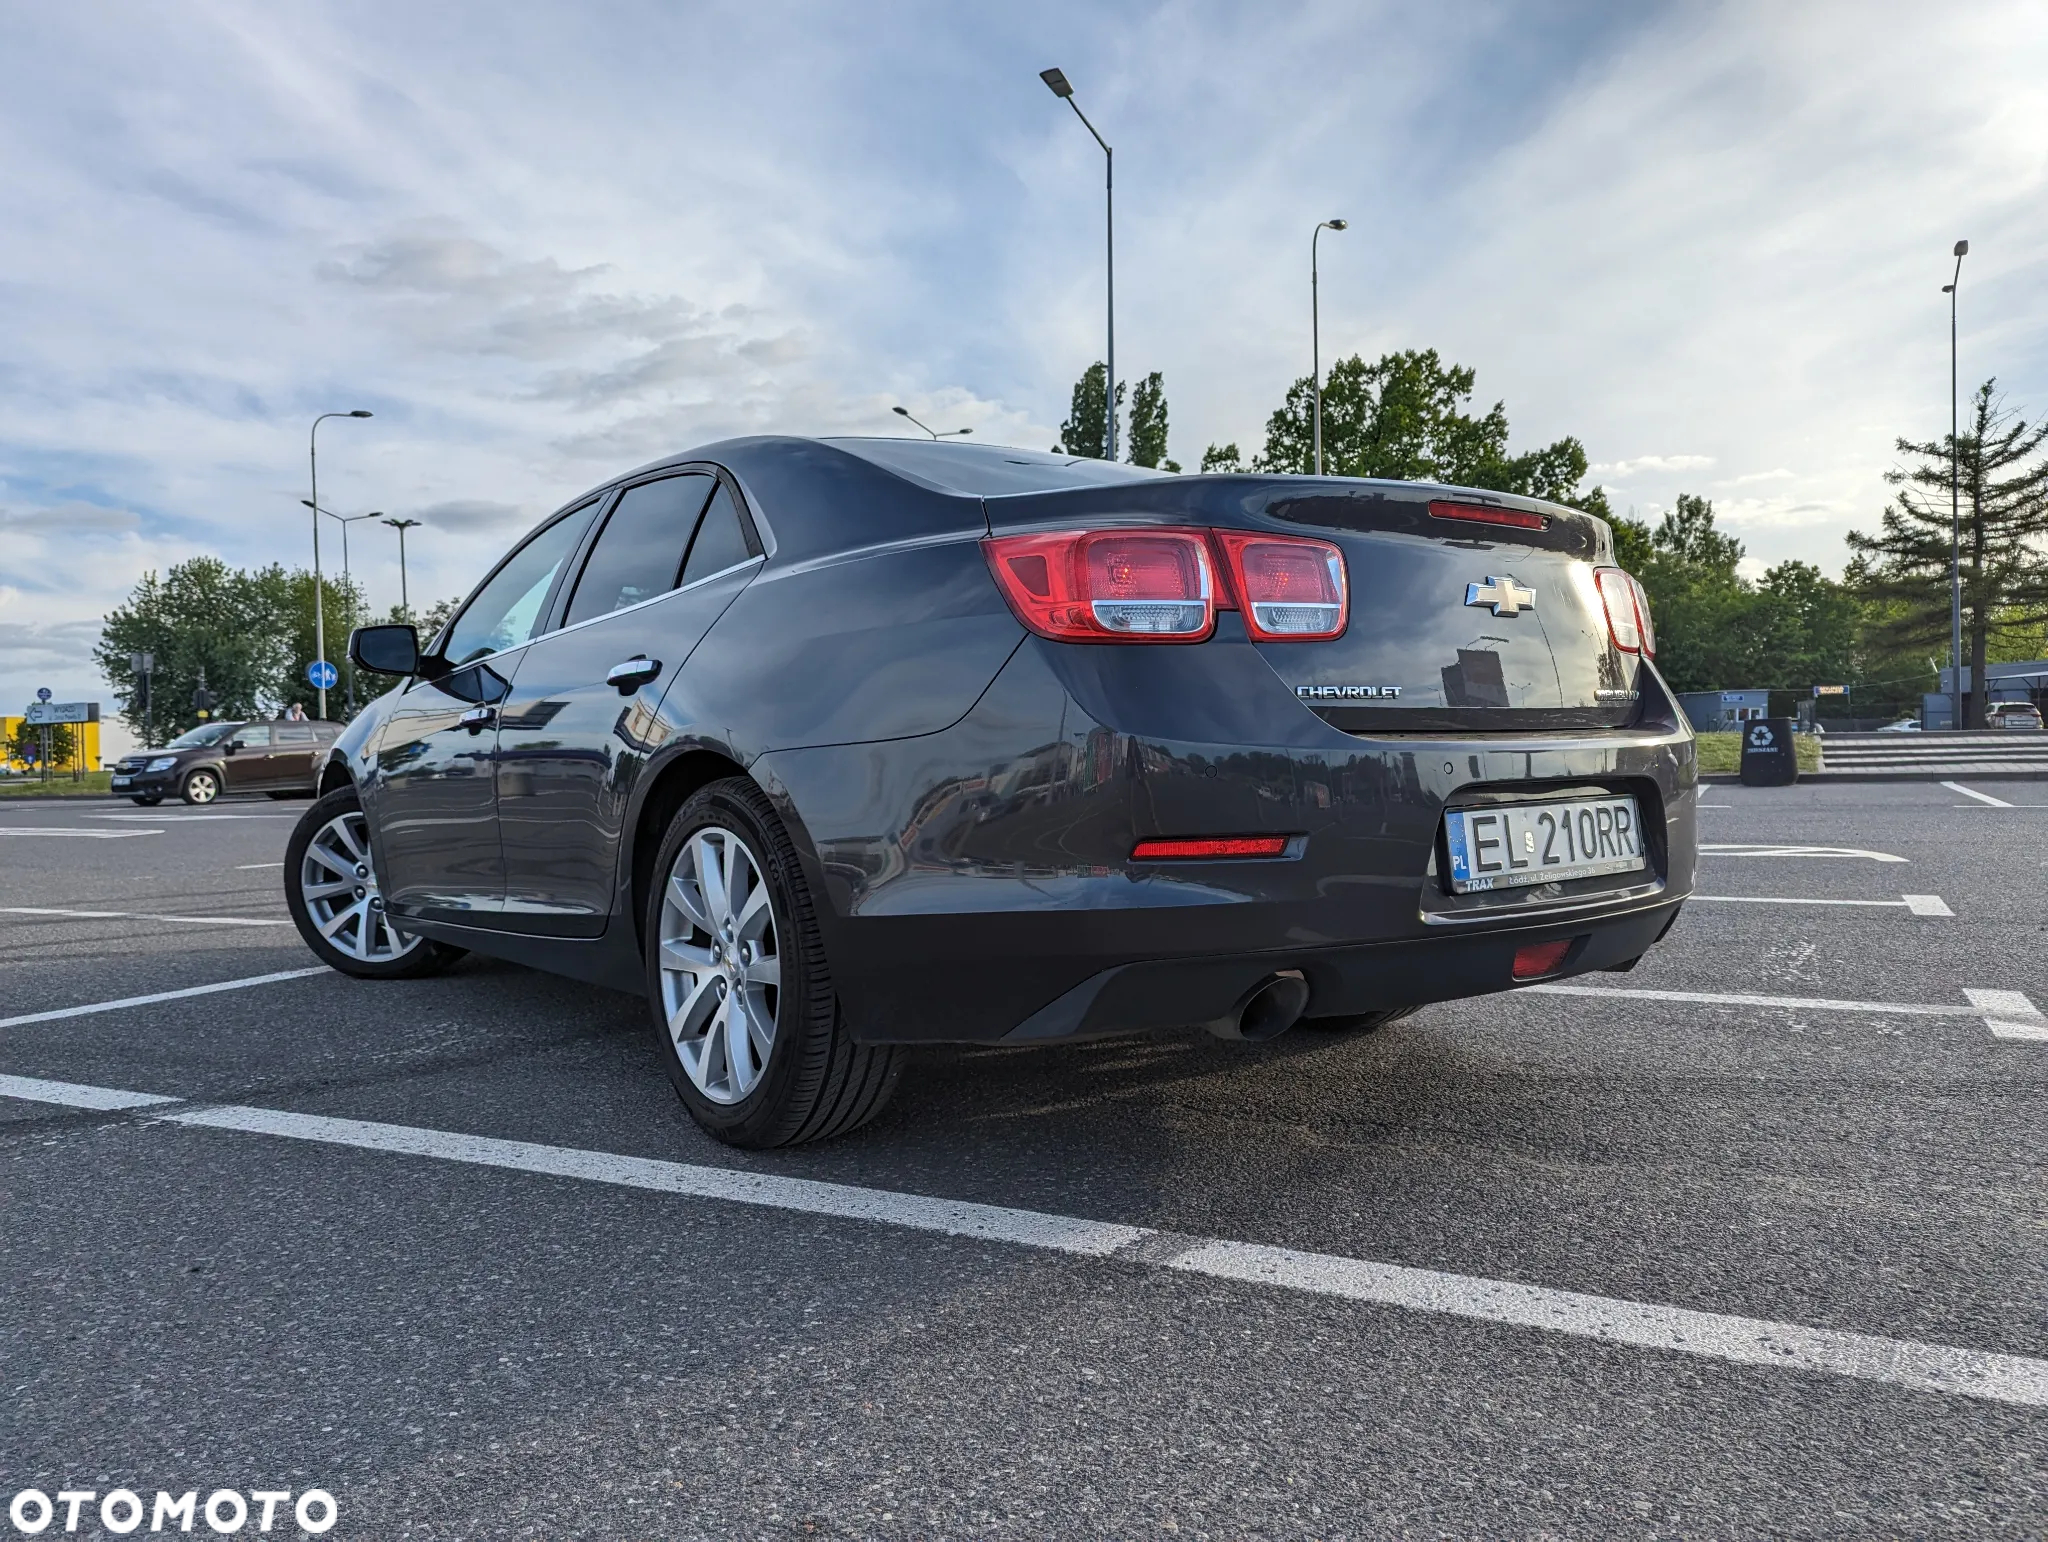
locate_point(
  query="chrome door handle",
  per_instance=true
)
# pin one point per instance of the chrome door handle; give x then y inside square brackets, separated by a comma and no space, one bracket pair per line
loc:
[631,675]
[477,719]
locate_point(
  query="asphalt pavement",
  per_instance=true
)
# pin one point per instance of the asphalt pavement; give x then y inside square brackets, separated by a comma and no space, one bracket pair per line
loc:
[1752,1240]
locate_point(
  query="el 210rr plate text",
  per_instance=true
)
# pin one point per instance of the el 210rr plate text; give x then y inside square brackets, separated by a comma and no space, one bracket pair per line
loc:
[1513,844]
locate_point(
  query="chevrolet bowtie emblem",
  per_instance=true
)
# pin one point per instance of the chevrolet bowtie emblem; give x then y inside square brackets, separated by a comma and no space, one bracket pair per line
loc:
[1507,597]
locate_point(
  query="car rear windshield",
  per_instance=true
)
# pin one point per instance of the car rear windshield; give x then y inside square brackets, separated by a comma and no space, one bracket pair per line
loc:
[989,470]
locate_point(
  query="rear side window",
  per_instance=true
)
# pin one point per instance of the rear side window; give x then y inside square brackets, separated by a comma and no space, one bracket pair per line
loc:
[640,549]
[721,542]
[506,610]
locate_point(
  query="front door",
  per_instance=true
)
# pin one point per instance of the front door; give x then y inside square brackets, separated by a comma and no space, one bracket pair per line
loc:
[432,798]
[249,765]
[579,722]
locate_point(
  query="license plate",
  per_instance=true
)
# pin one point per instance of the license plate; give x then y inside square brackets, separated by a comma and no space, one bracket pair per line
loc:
[119,781]
[1512,844]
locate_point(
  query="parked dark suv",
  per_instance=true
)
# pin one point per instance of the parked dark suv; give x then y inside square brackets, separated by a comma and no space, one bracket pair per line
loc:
[830,747]
[282,759]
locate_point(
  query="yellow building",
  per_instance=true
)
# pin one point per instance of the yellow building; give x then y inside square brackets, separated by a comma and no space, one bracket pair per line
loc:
[85,742]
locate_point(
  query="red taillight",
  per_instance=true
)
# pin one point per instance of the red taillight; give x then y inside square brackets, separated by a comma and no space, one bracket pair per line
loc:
[1643,623]
[1618,597]
[1210,846]
[1147,585]
[1292,589]
[1488,514]
[1540,958]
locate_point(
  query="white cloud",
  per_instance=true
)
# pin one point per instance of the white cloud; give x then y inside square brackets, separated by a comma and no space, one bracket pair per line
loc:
[1629,468]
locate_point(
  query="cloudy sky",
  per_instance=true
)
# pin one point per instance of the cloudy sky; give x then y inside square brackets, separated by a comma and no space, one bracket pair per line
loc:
[546,242]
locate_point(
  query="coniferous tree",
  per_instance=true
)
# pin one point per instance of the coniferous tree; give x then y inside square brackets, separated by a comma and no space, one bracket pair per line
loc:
[1084,431]
[1905,568]
[1148,423]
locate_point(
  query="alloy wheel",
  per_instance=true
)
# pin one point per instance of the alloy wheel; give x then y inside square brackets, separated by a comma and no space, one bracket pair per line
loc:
[339,886]
[202,787]
[721,965]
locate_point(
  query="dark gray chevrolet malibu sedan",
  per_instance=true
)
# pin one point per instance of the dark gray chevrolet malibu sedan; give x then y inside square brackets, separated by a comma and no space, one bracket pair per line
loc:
[836,746]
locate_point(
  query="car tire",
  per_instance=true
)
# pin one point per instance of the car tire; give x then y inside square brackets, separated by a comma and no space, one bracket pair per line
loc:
[1359,1022]
[200,787]
[715,967]
[331,891]
[151,801]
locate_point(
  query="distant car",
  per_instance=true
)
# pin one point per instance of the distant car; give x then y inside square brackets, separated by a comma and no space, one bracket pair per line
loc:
[282,759]
[1907,725]
[2016,714]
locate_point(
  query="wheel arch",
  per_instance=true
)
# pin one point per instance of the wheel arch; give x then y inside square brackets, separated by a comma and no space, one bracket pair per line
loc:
[672,786]
[333,775]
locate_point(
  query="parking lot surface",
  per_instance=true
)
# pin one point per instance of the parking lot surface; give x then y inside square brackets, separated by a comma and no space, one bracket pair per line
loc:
[1752,1240]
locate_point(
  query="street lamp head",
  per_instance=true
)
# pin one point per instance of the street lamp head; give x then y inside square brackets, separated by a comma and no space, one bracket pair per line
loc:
[1338,224]
[1058,82]
[1962,248]
[359,413]
[1948,288]
[901,411]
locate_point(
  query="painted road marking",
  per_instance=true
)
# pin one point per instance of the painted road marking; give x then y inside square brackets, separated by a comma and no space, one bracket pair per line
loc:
[185,819]
[1915,904]
[1984,798]
[2003,1378]
[250,867]
[81,835]
[177,995]
[1745,849]
[1801,1003]
[130,915]
[2010,1015]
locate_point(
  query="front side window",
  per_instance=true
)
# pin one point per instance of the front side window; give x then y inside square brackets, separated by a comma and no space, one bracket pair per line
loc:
[254,736]
[293,733]
[507,610]
[640,549]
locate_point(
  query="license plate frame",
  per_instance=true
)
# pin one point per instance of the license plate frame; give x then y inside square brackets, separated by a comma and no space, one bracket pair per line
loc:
[1513,845]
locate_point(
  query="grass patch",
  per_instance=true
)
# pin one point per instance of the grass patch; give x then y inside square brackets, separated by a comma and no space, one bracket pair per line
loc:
[1723,752]
[94,784]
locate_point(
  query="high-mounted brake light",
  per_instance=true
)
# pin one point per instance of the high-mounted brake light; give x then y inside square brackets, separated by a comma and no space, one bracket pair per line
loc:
[1154,584]
[1488,514]
[1292,589]
[1211,846]
[1628,611]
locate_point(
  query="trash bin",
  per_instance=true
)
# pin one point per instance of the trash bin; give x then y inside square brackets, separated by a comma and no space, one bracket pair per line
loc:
[1769,757]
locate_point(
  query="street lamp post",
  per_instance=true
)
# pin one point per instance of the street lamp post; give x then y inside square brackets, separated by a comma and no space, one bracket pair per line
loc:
[347,579]
[1315,327]
[401,526]
[313,464]
[1061,89]
[1955,506]
[948,434]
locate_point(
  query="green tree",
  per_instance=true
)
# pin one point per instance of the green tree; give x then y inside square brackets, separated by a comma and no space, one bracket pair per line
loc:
[1222,457]
[1148,423]
[2004,517]
[28,743]
[1083,432]
[1405,416]
[288,595]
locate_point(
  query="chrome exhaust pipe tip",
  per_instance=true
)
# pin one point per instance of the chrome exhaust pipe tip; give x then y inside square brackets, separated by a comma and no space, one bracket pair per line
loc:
[1265,1011]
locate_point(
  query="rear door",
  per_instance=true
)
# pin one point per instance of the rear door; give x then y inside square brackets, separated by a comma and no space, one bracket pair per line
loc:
[581,717]
[294,750]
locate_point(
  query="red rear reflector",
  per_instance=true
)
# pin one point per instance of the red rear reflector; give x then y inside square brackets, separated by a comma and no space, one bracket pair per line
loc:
[1145,585]
[1618,596]
[1540,959]
[1210,846]
[1488,514]
[1292,589]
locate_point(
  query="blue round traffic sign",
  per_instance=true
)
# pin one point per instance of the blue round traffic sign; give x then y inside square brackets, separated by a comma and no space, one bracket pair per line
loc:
[43,693]
[322,674]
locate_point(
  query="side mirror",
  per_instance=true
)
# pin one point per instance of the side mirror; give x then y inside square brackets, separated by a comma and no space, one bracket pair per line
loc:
[233,746]
[385,650]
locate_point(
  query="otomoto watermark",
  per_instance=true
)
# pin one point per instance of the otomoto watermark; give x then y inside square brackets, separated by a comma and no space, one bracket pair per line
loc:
[124,1510]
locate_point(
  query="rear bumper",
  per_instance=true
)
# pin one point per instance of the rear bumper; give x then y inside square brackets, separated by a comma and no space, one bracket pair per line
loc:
[978,886]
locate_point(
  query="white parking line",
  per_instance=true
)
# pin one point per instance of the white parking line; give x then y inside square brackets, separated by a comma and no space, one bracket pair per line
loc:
[1745,849]
[2010,1015]
[130,915]
[145,1001]
[167,817]
[1982,797]
[1802,1003]
[81,835]
[2014,1379]
[250,867]
[1915,904]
